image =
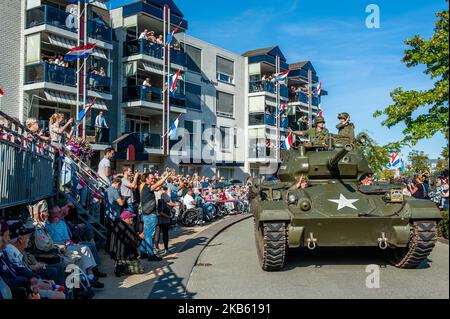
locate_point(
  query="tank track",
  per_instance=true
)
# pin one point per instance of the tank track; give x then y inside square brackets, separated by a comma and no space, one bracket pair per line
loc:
[271,241]
[422,241]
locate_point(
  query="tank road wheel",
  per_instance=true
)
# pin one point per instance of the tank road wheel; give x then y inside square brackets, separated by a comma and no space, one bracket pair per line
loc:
[271,245]
[421,243]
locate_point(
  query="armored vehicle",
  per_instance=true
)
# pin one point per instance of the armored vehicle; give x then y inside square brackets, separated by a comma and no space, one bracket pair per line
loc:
[333,210]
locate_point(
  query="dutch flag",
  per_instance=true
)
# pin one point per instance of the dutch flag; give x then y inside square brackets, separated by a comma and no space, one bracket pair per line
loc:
[80,52]
[85,111]
[171,34]
[283,107]
[288,142]
[281,76]
[174,80]
[173,129]
[319,89]
[395,160]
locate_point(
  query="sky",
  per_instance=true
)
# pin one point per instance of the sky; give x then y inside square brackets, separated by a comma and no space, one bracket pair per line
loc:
[358,66]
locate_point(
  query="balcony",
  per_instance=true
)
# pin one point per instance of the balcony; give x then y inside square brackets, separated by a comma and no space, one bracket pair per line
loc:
[156,51]
[261,86]
[261,119]
[99,83]
[44,72]
[153,95]
[284,92]
[45,14]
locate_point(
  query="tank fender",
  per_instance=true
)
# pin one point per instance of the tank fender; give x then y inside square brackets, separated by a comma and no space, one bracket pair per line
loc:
[402,235]
[421,209]
[275,214]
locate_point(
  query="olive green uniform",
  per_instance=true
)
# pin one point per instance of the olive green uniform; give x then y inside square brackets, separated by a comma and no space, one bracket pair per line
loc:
[317,137]
[346,133]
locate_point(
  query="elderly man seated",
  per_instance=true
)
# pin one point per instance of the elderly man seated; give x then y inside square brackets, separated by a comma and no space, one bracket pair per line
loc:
[23,282]
[19,240]
[61,235]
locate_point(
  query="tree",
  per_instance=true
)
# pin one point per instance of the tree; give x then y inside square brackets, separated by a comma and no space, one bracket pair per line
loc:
[418,162]
[432,104]
[377,156]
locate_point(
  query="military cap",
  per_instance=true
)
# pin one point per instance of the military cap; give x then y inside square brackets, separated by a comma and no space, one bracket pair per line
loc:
[319,119]
[343,115]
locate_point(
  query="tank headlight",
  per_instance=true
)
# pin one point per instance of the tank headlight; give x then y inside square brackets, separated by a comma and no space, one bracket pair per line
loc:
[305,205]
[292,199]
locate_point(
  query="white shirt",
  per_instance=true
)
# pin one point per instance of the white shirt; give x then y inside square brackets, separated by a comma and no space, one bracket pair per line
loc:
[143,36]
[104,163]
[187,200]
[146,84]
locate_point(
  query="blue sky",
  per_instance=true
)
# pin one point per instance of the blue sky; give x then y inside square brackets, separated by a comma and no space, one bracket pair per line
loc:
[358,66]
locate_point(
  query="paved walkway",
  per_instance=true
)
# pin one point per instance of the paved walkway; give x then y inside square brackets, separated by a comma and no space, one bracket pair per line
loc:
[140,286]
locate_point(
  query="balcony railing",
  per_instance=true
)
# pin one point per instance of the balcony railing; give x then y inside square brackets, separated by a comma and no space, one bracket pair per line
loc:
[261,86]
[64,20]
[261,119]
[140,93]
[99,83]
[44,72]
[154,95]
[284,122]
[154,50]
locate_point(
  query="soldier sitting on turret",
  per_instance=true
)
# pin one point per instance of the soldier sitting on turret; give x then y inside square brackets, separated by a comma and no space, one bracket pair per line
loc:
[318,135]
[346,130]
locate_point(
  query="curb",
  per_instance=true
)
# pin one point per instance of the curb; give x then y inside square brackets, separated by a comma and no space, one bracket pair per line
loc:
[443,240]
[172,284]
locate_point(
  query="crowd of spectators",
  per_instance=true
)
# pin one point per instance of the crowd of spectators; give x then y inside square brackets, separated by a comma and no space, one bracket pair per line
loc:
[152,38]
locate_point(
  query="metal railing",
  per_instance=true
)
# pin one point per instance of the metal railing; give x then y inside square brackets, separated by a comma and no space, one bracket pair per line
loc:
[65,20]
[27,171]
[45,72]
[141,46]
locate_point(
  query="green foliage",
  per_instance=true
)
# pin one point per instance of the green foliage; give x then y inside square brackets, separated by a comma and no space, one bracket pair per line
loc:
[432,104]
[377,156]
[418,162]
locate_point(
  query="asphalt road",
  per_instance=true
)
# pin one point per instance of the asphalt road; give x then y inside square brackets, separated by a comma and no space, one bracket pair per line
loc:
[229,268]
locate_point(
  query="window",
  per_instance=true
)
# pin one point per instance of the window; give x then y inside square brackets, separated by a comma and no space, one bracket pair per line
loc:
[225,70]
[224,104]
[194,59]
[33,50]
[225,138]
[193,96]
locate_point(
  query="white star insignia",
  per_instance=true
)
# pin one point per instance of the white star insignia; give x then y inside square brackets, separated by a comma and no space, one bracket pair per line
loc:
[344,202]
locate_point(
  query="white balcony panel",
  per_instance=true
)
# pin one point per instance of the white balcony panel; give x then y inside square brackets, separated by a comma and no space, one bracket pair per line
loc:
[70,99]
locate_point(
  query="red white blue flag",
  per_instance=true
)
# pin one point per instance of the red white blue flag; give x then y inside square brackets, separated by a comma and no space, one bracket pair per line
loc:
[85,111]
[80,52]
[319,89]
[171,34]
[281,76]
[395,160]
[174,80]
[288,142]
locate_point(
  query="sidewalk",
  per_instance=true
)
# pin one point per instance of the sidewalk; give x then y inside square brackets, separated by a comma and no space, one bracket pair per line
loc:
[139,286]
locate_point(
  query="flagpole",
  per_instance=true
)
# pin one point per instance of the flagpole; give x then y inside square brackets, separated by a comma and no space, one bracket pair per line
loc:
[310,97]
[164,80]
[85,65]
[78,66]
[278,85]
[168,78]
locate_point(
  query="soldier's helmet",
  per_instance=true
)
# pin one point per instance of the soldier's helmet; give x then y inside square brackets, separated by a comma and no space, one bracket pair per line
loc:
[343,115]
[319,119]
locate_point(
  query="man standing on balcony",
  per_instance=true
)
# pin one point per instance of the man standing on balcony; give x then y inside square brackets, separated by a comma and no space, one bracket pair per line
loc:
[100,124]
[318,135]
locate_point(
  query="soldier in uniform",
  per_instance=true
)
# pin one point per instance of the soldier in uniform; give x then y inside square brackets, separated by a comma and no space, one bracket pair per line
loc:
[318,135]
[346,130]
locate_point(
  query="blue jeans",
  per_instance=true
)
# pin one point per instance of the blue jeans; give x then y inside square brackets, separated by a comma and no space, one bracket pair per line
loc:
[150,223]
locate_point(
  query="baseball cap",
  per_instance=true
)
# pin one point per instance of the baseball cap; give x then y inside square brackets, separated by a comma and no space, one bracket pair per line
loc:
[127,214]
[19,229]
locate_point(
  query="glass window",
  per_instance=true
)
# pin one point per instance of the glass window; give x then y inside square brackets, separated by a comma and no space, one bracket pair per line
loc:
[33,43]
[225,70]
[224,104]
[193,96]
[194,59]
[225,136]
